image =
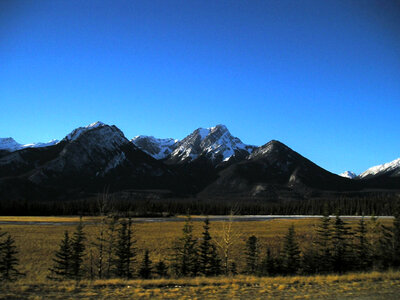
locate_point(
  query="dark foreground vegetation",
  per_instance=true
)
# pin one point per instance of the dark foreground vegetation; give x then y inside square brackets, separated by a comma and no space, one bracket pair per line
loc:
[378,203]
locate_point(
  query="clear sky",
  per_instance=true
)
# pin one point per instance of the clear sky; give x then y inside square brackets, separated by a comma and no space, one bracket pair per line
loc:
[323,77]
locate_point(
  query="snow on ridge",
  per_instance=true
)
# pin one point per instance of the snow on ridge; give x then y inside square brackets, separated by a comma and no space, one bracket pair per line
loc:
[155,147]
[11,145]
[216,142]
[78,131]
[381,168]
[348,174]
[204,132]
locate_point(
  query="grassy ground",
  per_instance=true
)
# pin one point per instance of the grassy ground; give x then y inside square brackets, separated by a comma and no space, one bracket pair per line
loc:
[37,244]
[351,286]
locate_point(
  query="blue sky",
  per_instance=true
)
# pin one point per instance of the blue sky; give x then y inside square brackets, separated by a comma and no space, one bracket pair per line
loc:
[323,77]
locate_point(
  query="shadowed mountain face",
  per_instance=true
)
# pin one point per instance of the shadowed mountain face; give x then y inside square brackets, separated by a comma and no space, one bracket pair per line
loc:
[208,163]
[86,160]
[157,148]
[275,167]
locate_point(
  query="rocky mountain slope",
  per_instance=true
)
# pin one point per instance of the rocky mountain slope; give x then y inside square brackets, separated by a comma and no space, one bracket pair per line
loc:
[215,143]
[390,169]
[207,163]
[157,148]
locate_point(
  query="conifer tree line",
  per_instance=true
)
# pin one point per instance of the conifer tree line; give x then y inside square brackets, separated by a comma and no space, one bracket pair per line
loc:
[335,248]
[380,204]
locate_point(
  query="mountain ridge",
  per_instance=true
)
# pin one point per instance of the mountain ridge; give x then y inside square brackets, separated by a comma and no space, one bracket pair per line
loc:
[208,162]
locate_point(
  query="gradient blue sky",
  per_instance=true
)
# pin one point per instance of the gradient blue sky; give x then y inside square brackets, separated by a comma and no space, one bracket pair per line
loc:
[323,77]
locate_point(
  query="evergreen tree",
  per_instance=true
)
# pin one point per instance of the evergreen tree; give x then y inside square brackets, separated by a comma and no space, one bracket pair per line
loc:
[209,262]
[146,268]
[340,250]
[373,236]
[8,260]
[396,238]
[385,248]
[268,264]
[233,269]
[251,255]
[62,268]
[161,269]
[310,261]
[110,246]
[323,244]
[125,252]
[78,251]
[363,252]
[185,261]
[291,255]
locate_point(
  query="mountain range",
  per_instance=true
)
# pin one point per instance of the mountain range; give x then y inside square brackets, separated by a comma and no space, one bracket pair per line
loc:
[208,163]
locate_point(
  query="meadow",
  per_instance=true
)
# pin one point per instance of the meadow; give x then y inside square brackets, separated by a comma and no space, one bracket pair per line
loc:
[37,244]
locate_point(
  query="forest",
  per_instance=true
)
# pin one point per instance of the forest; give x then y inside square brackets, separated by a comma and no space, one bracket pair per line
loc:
[379,204]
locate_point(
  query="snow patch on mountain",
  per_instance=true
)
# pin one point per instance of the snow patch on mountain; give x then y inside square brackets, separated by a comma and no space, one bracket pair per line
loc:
[380,169]
[217,143]
[348,174]
[157,148]
[11,145]
[270,147]
[78,131]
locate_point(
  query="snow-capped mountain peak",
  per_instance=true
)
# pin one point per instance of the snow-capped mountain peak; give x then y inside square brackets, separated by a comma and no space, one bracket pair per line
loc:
[11,145]
[216,143]
[348,174]
[381,169]
[78,131]
[157,148]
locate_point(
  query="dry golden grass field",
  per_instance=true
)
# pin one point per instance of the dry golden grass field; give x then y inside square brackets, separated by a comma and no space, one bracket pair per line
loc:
[37,244]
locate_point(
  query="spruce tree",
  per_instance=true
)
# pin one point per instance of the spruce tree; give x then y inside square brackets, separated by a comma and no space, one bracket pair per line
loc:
[62,268]
[251,255]
[161,269]
[268,264]
[209,262]
[125,251]
[373,237]
[340,250]
[110,246]
[78,251]
[291,255]
[146,267]
[185,262]
[385,248]
[310,261]
[396,238]
[323,244]
[8,260]
[363,251]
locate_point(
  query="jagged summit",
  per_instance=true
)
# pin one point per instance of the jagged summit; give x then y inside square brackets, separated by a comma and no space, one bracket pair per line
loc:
[392,167]
[78,131]
[215,143]
[157,148]
[348,174]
